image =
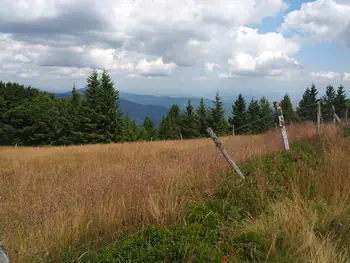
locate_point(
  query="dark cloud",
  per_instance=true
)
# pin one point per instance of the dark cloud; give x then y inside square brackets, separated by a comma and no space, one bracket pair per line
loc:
[65,58]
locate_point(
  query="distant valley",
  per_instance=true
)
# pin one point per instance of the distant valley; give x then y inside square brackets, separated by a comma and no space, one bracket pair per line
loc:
[139,106]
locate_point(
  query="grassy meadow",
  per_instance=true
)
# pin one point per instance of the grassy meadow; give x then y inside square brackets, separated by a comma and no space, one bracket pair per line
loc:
[60,204]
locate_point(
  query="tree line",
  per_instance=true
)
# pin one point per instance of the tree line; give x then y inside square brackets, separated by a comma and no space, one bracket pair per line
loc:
[32,117]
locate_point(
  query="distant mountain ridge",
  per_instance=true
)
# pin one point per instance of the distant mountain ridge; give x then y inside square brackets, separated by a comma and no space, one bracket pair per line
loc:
[138,106]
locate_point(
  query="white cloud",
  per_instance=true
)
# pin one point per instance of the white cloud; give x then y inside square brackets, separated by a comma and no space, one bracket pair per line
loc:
[347,76]
[210,66]
[322,20]
[255,54]
[200,78]
[330,75]
[154,68]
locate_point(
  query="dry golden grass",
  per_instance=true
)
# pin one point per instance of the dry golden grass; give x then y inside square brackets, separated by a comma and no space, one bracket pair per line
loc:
[51,197]
[314,222]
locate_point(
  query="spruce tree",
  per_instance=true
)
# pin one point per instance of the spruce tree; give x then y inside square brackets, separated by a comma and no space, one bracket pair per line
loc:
[239,115]
[328,100]
[266,115]
[91,114]
[340,102]
[288,111]
[173,123]
[307,109]
[253,116]
[189,126]
[112,117]
[217,119]
[163,129]
[202,117]
[150,129]
[129,129]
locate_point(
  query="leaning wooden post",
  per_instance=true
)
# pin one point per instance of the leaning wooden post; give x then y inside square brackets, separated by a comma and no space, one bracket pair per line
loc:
[181,136]
[318,119]
[3,255]
[218,144]
[283,127]
[233,130]
[335,116]
[346,114]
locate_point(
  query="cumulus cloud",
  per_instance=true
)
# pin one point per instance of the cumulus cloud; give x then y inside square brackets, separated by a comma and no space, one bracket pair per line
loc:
[154,68]
[330,75]
[200,78]
[84,34]
[210,66]
[321,20]
[255,54]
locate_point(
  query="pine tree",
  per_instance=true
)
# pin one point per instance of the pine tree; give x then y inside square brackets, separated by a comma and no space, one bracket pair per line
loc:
[253,116]
[173,123]
[217,119]
[150,129]
[340,102]
[91,115]
[328,100]
[239,115]
[288,111]
[189,126]
[163,129]
[307,109]
[266,115]
[202,116]
[129,129]
[112,117]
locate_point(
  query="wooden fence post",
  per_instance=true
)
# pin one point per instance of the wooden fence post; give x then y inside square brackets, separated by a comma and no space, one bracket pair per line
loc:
[346,114]
[233,130]
[318,119]
[181,136]
[3,255]
[283,127]
[335,116]
[218,144]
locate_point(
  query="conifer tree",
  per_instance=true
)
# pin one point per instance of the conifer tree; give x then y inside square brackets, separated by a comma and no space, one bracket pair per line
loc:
[129,129]
[239,115]
[307,109]
[340,102]
[288,111]
[266,115]
[151,131]
[112,117]
[328,100]
[217,119]
[202,116]
[253,116]
[189,125]
[163,129]
[173,123]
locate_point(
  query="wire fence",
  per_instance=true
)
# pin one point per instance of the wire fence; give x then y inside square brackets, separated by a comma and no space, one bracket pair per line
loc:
[111,238]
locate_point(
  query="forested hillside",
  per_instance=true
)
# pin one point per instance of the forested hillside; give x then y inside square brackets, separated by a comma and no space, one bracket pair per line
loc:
[33,117]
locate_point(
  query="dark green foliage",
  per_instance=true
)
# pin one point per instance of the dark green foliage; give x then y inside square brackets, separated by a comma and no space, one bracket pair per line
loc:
[253,116]
[239,116]
[340,102]
[328,101]
[189,126]
[202,116]
[288,111]
[217,119]
[266,115]
[307,110]
[149,131]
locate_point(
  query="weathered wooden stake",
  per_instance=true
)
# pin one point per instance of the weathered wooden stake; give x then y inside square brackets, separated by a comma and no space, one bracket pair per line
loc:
[3,255]
[318,119]
[283,127]
[233,130]
[346,115]
[335,116]
[181,136]
[218,144]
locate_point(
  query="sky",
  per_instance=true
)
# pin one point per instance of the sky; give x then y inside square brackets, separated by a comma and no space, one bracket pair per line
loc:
[178,47]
